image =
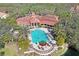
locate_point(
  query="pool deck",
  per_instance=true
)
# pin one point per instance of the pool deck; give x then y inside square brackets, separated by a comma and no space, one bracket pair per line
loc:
[34,47]
[44,29]
[41,53]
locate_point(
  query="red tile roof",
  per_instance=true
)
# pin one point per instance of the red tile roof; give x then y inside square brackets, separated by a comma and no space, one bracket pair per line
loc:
[23,21]
[2,14]
[50,20]
[75,9]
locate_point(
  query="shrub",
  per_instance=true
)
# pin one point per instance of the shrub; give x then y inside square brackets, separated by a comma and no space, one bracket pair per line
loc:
[2,53]
[23,44]
[2,45]
[60,41]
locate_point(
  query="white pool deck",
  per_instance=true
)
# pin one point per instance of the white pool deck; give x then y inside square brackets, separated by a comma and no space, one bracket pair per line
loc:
[44,29]
[35,46]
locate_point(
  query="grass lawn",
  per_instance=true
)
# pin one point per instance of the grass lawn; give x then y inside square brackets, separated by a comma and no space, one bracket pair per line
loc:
[60,51]
[10,50]
[24,45]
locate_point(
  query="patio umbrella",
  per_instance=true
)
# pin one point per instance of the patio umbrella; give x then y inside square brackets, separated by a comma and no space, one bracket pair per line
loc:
[42,43]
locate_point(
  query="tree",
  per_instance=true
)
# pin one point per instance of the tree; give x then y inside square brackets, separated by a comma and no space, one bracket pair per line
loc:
[60,38]
[2,45]
[2,53]
[69,22]
[60,41]
[6,37]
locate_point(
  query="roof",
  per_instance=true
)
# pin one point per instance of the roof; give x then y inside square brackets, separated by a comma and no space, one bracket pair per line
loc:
[75,9]
[23,21]
[48,19]
[2,14]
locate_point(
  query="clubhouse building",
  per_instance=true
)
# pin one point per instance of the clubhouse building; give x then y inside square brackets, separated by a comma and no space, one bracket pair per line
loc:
[35,20]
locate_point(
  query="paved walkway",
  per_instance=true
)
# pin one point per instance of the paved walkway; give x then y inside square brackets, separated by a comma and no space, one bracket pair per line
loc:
[50,52]
[46,52]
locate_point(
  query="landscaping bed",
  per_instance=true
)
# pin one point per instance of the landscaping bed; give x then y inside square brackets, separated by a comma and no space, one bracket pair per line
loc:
[60,51]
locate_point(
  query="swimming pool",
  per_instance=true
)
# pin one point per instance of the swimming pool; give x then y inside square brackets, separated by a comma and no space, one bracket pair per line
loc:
[38,36]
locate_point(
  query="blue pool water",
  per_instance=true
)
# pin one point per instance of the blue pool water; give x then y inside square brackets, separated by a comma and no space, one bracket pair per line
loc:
[38,35]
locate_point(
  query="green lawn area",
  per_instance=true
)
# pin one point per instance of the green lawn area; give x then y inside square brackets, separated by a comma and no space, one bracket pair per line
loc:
[60,51]
[24,45]
[10,50]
